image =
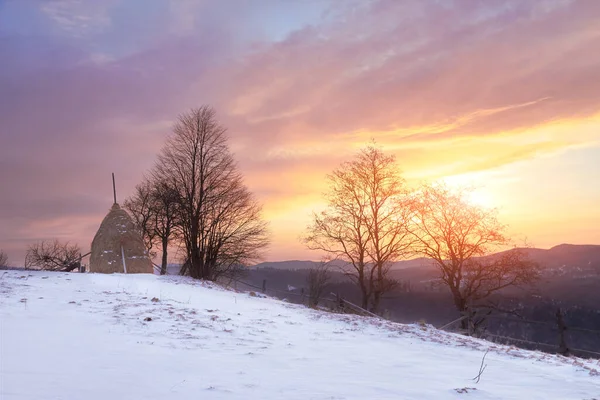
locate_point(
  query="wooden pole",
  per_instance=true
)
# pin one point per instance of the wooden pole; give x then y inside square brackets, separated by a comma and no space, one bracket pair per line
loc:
[114,188]
[562,327]
[344,301]
[124,263]
[452,323]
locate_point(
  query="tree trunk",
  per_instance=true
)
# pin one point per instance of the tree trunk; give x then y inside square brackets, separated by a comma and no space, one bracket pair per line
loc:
[196,259]
[464,323]
[378,291]
[376,301]
[462,308]
[365,295]
[163,266]
[195,264]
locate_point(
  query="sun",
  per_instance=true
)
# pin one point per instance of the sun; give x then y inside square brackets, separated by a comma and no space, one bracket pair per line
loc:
[476,189]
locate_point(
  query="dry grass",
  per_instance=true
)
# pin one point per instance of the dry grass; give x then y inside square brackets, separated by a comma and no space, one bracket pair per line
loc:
[118,231]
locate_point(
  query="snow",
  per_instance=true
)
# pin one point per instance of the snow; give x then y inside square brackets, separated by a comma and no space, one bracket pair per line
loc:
[93,336]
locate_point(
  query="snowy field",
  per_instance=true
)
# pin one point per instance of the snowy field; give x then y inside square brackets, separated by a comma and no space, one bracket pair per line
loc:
[89,336]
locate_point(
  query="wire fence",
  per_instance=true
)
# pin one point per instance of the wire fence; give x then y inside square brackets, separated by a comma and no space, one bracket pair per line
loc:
[548,345]
[558,326]
[339,304]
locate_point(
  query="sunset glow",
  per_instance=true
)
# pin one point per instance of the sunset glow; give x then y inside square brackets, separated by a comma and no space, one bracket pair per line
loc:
[500,96]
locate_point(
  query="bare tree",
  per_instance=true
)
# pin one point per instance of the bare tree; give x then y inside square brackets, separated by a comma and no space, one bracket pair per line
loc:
[154,206]
[140,206]
[317,279]
[166,204]
[3,259]
[389,215]
[365,223]
[342,232]
[219,219]
[52,255]
[461,238]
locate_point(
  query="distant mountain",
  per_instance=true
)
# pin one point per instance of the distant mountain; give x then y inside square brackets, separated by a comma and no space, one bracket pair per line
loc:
[558,260]
[567,256]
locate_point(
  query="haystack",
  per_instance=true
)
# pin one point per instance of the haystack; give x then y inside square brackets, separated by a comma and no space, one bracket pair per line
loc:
[118,247]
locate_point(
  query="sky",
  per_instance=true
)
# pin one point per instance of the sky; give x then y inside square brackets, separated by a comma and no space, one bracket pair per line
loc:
[503,96]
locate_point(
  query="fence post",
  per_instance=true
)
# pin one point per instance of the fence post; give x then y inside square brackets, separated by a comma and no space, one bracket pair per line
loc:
[264,287]
[470,322]
[452,323]
[339,301]
[562,327]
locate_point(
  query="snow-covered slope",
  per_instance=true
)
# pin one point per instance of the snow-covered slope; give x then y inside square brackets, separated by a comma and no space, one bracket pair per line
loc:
[89,336]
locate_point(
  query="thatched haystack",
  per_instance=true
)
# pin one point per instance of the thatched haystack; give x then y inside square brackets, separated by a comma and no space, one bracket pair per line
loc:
[118,247]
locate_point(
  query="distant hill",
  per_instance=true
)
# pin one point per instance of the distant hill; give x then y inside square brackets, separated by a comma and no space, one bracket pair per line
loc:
[569,272]
[287,265]
[562,257]
[560,265]
[305,264]
[567,256]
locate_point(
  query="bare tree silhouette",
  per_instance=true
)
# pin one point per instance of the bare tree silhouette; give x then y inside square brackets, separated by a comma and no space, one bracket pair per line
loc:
[218,217]
[155,206]
[52,255]
[461,238]
[317,279]
[365,223]
[3,259]
[141,208]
